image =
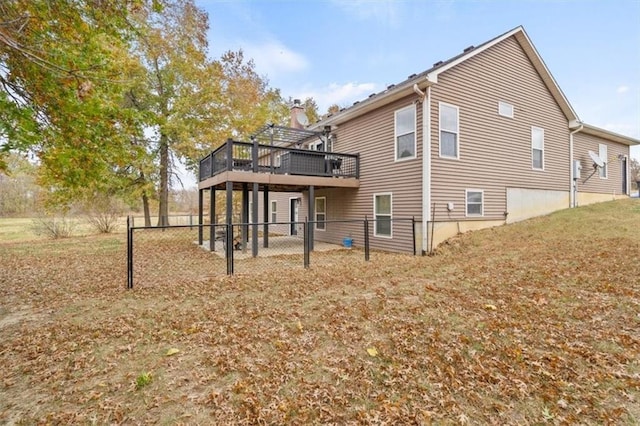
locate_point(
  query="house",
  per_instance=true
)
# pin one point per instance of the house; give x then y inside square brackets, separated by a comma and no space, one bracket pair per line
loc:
[482,139]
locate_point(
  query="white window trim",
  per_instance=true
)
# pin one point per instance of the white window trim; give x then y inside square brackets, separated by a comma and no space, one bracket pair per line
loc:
[502,105]
[313,146]
[415,133]
[605,160]
[440,105]
[532,167]
[273,211]
[466,203]
[375,215]
[315,213]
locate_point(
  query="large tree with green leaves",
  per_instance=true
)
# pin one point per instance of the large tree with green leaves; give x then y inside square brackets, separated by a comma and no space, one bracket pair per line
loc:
[61,82]
[108,95]
[193,103]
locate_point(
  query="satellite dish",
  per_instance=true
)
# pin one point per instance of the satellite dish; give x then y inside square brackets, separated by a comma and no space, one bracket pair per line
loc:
[597,161]
[301,117]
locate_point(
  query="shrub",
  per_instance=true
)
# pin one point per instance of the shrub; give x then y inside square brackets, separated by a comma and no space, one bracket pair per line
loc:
[54,226]
[103,213]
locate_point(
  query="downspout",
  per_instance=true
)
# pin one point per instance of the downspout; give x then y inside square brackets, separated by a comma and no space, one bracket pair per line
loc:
[573,188]
[426,163]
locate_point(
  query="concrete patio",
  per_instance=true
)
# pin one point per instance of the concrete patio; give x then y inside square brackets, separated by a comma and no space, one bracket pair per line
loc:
[280,245]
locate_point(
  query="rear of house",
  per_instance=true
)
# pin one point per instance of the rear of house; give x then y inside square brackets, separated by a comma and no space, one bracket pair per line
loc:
[499,137]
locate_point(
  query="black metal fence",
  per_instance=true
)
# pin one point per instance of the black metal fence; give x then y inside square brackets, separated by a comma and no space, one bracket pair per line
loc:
[188,253]
[174,219]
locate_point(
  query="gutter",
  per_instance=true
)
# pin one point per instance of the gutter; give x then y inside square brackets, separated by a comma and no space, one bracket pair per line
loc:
[425,98]
[572,179]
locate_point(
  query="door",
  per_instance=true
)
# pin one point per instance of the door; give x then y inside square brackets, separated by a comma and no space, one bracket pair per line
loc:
[294,208]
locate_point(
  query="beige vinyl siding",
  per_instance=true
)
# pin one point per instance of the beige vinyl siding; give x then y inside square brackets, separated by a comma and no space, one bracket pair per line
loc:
[495,151]
[282,200]
[373,137]
[590,180]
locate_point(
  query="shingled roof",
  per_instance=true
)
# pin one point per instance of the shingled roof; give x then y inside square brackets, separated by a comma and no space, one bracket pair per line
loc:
[430,76]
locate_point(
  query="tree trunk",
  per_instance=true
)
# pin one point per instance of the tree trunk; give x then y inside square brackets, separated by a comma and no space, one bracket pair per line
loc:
[145,208]
[163,207]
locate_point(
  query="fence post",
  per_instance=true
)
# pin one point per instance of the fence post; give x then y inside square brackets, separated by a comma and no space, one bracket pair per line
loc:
[305,233]
[229,248]
[366,239]
[129,254]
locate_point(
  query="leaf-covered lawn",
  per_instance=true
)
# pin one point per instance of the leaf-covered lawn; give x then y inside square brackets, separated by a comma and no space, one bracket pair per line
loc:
[529,323]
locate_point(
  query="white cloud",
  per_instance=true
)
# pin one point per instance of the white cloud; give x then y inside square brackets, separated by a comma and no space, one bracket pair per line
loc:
[274,58]
[383,11]
[341,94]
[622,89]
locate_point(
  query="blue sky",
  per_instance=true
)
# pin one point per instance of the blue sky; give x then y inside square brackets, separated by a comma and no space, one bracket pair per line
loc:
[340,51]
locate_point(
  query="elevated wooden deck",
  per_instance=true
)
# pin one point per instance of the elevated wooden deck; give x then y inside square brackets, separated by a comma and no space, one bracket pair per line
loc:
[279,168]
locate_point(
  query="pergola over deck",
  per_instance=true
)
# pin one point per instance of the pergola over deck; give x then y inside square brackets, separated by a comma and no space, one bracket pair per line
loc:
[277,159]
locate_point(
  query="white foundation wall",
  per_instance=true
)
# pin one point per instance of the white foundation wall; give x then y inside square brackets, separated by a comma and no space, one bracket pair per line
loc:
[524,203]
[584,198]
[442,231]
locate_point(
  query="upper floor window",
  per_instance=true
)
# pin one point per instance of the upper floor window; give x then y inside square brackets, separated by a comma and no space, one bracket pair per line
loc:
[602,153]
[537,148]
[505,109]
[449,130]
[405,119]
[382,214]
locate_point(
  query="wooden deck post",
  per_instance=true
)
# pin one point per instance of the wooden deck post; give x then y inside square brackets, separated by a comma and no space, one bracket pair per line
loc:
[312,215]
[254,222]
[244,219]
[212,219]
[200,215]
[267,218]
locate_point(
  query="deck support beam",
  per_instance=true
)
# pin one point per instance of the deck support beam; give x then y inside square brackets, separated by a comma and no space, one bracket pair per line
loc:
[267,217]
[245,216]
[200,215]
[212,219]
[312,214]
[254,222]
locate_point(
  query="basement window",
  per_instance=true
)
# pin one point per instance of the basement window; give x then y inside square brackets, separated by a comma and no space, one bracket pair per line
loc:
[475,198]
[382,214]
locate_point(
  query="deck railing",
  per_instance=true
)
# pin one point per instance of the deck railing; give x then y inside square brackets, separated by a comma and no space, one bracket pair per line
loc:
[259,158]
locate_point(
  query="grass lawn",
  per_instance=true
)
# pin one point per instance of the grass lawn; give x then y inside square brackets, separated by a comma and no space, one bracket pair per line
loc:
[531,323]
[22,229]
